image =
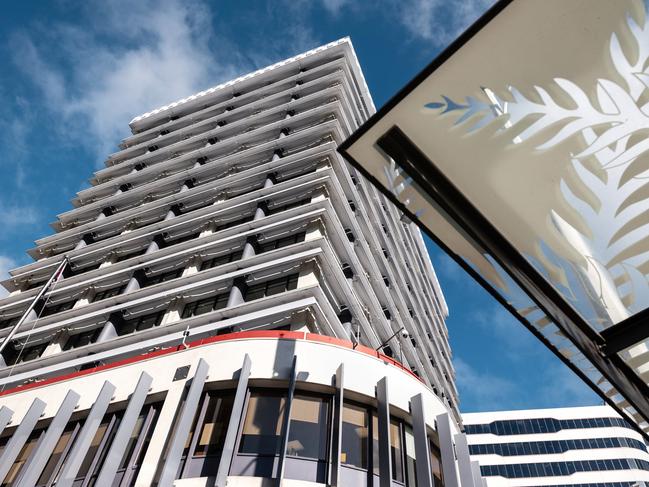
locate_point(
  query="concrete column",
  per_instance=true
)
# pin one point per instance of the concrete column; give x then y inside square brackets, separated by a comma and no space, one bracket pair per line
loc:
[31,316]
[156,244]
[308,275]
[135,282]
[109,331]
[271,179]
[83,300]
[193,267]
[345,317]
[249,248]
[261,211]
[56,344]
[173,312]
[187,185]
[237,292]
[278,154]
[314,231]
[319,195]
[172,213]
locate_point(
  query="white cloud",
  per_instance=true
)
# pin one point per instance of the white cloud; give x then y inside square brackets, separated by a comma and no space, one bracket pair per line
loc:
[157,52]
[562,387]
[449,269]
[334,6]
[6,264]
[13,216]
[489,391]
[436,21]
[439,21]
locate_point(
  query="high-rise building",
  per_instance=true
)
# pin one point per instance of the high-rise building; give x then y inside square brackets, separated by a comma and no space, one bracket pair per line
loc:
[568,447]
[220,293]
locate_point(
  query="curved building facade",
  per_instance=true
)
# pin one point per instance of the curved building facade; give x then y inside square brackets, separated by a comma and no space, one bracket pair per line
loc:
[577,447]
[219,296]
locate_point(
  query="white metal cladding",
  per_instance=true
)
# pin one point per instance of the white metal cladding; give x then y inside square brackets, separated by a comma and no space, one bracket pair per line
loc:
[247,177]
[270,366]
[580,431]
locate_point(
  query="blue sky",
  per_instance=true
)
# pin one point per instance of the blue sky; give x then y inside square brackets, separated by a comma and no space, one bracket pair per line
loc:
[73,74]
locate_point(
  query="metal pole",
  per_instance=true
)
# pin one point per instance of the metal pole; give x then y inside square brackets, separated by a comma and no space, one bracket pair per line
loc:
[388,339]
[14,330]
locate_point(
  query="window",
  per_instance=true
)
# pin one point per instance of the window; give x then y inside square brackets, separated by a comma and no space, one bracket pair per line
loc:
[262,427]
[74,271]
[35,284]
[221,259]
[14,356]
[9,322]
[140,323]
[162,277]
[108,293]
[355,436]
[234,223]
[205,440]
[59,450]
[411,462]
[436,466]
[396,451]
[279,243]
[205,305]
[82,339]
[94,455]
[214,425]
[287,206]
[271,287]
[180,240]
[57,308]
[129,255]
[308,430]
[24,454]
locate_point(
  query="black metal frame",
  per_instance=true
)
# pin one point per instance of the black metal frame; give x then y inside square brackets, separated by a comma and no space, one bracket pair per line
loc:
[600,349]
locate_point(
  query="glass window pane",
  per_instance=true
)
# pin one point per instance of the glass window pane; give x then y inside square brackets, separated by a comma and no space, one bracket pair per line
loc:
[375,444]
[396,451]
[262,427]
[212,432]
[309,426]
[411,468]
[22,457]
[436,465]
[51,464]
[355,436]
[94,446]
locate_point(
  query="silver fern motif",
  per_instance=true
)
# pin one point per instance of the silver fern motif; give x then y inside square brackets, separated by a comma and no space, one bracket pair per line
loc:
[611,282]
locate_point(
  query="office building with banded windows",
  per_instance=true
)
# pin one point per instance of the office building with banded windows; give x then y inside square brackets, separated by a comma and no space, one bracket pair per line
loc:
[577,447]
[230,302]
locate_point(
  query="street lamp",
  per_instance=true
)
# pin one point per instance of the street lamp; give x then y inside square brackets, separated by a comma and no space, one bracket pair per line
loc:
[404,335]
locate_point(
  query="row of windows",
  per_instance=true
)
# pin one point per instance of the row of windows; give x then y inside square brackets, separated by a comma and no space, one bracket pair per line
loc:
[553,469]
[258,442]
[271,287]
[558,446]
[109,211]
[542,425]
[271,89]
[180,209]
[95,453]
[309,438]
[166,276]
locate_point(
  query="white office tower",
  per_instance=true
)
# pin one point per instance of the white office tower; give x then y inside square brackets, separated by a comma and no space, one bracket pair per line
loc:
[229,280]
[568,447]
